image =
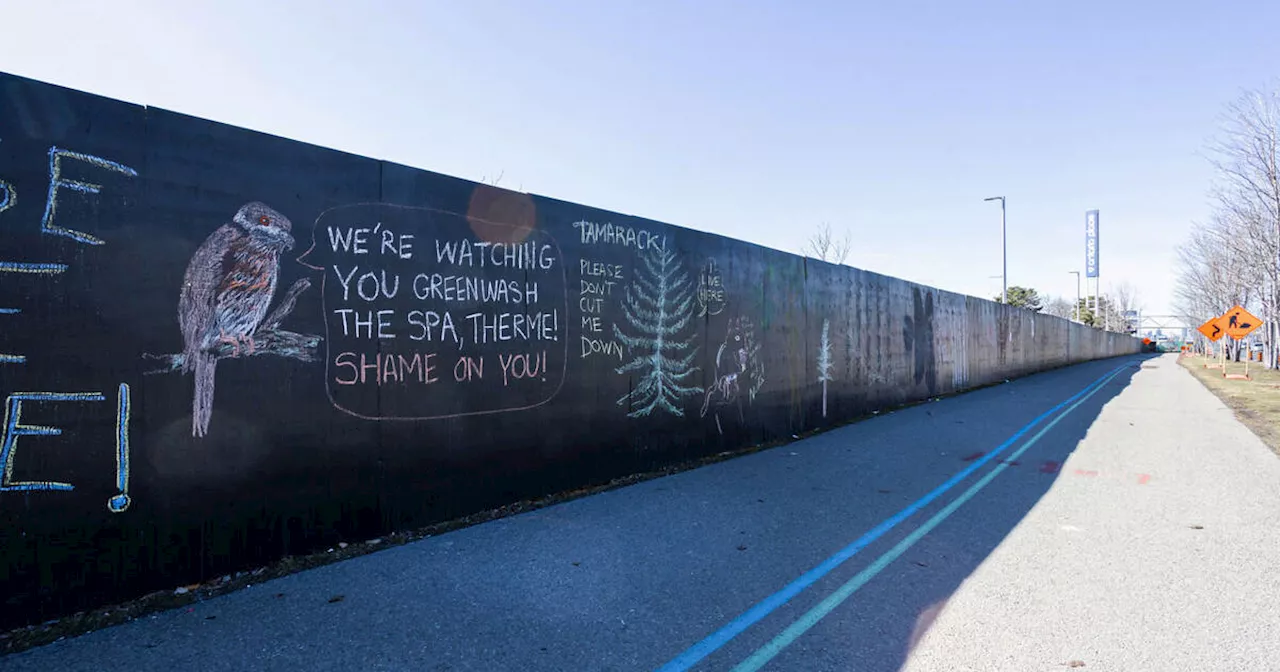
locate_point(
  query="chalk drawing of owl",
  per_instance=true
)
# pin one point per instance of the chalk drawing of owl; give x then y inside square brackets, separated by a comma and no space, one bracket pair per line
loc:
[226,292]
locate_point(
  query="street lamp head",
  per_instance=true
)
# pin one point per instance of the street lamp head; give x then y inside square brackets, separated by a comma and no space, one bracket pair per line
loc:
[1004,250]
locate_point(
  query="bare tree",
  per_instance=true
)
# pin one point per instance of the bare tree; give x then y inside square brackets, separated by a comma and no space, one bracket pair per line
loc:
[1215,274]
[496,180]
[1059,307]
[825,246]
[1246,157]
[1125,297]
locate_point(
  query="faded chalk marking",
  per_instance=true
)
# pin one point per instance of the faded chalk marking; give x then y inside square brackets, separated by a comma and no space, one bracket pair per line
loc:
[24,267]
[13,359]
[10,311]
[1143,479]
[10,196]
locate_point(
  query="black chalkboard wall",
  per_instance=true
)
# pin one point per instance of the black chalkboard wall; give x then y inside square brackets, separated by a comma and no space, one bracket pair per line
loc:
[221,347]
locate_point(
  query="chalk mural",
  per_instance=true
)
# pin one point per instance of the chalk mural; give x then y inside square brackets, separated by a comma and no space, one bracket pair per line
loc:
[824,362]
[438,348]
[57,181]
[17,404]
[14,429]
[229,284]
[739,370]
[441,314]
[602,283]
[711,298]
[658,310]
[597,283]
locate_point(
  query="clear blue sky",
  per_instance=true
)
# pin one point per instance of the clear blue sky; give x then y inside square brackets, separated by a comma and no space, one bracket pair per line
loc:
[749,119]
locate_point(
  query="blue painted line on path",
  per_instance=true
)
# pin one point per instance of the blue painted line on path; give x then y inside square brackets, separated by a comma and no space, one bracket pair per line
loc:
[764,654]
[694,654]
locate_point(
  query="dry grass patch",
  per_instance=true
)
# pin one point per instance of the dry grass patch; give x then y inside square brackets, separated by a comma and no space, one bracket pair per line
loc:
[1256,402]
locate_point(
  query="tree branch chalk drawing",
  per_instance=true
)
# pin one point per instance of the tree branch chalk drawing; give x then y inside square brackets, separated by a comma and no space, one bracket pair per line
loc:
[658,307]
[268,339]
[824,362]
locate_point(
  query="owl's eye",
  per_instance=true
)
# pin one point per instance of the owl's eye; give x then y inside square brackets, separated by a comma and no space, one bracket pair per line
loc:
[264,220]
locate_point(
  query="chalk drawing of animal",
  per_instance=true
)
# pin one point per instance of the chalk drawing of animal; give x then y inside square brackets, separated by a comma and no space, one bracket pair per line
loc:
[725,388]
[228,287]
[736,360]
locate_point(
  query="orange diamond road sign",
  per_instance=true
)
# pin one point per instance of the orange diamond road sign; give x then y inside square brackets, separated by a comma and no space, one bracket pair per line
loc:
[1239,323]
[1212,330]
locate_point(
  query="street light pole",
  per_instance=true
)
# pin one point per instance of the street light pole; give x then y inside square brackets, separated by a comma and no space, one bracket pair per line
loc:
[1077,311]
[1004,249]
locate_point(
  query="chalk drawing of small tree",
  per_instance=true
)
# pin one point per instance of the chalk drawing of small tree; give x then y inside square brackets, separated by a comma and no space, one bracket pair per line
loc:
[658,307]
[824,362]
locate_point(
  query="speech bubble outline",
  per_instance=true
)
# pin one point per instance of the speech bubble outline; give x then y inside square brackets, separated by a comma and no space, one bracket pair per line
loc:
[564,332]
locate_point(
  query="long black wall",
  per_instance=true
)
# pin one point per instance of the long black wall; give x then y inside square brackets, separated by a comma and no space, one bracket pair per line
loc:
[219,347]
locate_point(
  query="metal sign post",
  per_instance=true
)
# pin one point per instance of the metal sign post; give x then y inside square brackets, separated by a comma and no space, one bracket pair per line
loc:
[1213,330]
[1239,323]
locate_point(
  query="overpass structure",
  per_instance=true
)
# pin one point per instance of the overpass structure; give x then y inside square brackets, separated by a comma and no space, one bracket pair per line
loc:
[1172,327]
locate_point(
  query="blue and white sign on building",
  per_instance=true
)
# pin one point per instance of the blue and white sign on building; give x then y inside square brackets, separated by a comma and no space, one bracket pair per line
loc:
[1091,244]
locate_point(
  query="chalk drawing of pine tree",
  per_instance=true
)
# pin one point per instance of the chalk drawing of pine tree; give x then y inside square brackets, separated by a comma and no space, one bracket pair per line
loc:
[824,362]
[658,307]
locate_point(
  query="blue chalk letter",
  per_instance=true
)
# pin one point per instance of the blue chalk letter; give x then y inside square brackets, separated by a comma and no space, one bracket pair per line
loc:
[8,195]
[120,502]
[55,180]
[13,428]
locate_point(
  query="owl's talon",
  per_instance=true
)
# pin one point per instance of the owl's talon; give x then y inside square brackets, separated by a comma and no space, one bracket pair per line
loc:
[235,345]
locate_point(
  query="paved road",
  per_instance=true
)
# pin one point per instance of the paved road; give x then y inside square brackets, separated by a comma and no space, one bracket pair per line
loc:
[1107,513]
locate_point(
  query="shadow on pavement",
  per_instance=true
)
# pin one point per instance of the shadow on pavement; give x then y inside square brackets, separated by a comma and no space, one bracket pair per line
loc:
[879,625]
